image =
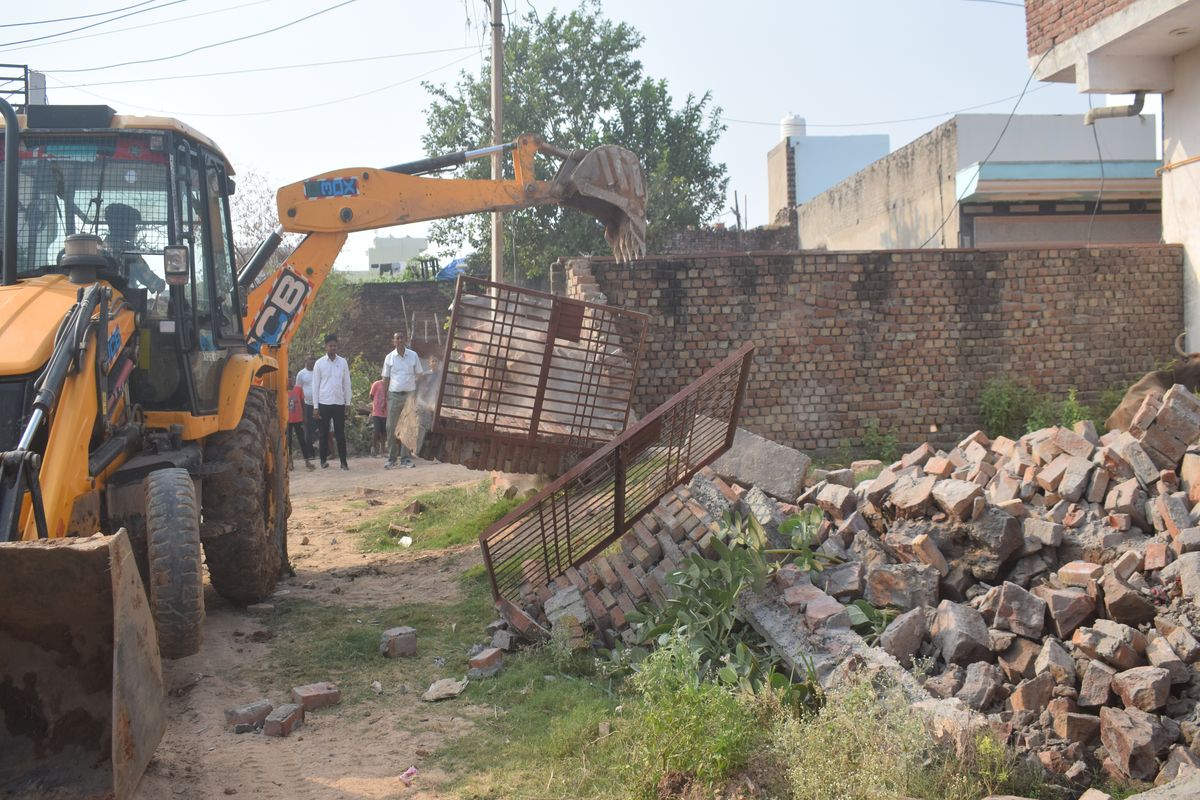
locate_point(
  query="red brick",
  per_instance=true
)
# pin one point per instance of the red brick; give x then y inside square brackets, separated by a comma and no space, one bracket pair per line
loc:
[316,695]
[283,720]
[630,582]
[596,609]
[487,658]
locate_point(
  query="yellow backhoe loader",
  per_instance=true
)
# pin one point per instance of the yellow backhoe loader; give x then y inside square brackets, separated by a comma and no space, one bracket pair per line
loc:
[142,400]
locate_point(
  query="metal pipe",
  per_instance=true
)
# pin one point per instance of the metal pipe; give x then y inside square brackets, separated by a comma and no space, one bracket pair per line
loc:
[434,163]
[1132,110]
[12,171]
[260,258]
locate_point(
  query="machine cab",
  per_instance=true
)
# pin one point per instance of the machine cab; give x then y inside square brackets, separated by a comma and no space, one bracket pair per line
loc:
[153,195]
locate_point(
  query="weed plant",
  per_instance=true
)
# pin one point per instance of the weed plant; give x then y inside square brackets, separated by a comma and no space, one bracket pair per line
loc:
[452,516]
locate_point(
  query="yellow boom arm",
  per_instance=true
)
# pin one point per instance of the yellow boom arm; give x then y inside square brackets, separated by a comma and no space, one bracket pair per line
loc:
[605,182]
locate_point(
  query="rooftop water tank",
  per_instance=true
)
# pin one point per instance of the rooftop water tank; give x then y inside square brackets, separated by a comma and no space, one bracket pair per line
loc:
[791,125]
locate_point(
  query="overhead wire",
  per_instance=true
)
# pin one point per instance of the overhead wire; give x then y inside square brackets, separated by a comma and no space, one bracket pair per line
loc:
[1000,138]
[93,25]
[210,46]
[169,20]
[72,19]
[891,121]
[279,110]
[1100,192]
[249,70]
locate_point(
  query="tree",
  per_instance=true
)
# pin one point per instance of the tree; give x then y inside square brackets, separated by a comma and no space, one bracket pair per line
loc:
[574,80]
[254,218]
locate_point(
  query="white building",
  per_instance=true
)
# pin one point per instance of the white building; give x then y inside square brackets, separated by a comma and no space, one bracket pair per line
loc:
[390,254]
[1133,46]
[800,167]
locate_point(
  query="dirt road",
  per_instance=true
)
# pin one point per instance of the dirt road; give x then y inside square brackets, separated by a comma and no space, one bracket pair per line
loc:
[352,753]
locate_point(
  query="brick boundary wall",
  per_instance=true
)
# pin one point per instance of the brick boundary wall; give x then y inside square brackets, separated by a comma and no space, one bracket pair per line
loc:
[908,338]
[376,311]
[1049,22]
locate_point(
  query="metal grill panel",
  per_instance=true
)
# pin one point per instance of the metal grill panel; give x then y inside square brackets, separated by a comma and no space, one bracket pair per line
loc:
[596,502]
[534,377]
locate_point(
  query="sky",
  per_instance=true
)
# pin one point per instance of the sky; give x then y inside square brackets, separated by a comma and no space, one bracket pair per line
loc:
[292,88]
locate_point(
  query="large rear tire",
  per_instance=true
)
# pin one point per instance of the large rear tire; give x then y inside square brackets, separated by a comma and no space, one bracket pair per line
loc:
[245,504]
[175,580]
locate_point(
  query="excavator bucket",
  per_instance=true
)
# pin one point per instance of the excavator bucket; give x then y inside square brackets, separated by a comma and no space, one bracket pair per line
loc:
[608,184]
[81,690]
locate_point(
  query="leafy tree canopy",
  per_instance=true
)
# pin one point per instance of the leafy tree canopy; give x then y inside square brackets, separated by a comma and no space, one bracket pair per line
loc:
[574,79]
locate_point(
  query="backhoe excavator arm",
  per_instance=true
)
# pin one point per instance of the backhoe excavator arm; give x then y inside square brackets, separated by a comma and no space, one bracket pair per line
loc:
[605,182]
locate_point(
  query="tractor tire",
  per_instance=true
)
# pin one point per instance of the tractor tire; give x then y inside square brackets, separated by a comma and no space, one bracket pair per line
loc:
[175,578]
[246,503]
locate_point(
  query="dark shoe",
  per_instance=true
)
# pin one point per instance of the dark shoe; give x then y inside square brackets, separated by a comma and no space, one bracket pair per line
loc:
[389,464]
[346,467]
[308,465]
[324,465]
[407,463]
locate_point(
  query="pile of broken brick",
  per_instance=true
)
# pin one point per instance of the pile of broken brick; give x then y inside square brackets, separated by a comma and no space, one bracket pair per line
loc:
[1051,583]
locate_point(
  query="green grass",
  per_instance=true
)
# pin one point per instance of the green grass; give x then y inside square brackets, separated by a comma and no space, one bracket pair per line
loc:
[315,642]
[452,517]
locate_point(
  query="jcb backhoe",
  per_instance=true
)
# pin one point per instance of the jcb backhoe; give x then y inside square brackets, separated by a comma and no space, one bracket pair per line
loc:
[142,389]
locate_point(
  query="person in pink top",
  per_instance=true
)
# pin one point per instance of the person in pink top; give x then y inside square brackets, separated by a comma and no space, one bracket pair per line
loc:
[296,427]
[379,400]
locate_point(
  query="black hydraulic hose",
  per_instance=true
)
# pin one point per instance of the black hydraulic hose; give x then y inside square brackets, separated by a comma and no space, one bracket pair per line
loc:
[260,258]
[12,171]
[52,379]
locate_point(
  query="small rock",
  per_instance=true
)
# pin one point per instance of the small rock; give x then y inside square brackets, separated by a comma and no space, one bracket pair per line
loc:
[982,685]
[398,642]
[444,689]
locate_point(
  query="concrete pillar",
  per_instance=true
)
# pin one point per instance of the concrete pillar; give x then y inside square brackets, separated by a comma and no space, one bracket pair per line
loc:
[1181,186]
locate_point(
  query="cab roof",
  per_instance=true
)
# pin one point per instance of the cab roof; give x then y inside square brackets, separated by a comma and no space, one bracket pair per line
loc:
[89,118]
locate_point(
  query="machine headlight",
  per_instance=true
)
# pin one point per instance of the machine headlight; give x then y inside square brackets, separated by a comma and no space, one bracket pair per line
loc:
[175,264]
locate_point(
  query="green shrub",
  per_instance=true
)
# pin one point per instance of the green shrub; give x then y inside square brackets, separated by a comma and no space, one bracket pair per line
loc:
[684,724]
[866,744]
[1005,405]
[880,444]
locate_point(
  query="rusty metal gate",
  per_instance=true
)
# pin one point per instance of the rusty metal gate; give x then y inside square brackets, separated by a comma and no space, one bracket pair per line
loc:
[533,382]
[596,502]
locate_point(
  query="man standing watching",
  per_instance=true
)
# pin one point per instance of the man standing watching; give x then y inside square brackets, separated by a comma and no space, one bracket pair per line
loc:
[304,380]
[378,417]
[401,368]
[331,390]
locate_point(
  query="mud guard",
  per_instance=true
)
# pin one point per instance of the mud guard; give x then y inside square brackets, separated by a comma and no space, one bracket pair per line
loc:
[82,706]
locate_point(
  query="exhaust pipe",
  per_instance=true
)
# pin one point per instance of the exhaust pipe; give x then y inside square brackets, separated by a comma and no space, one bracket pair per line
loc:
[1132,110]
[12,171]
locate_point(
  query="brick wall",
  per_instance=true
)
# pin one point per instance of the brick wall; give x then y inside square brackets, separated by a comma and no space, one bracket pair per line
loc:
[1049,22]
[379,308]
[905,337]
[727,240]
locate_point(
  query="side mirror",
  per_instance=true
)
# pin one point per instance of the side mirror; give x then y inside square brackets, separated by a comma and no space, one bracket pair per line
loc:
[175,265]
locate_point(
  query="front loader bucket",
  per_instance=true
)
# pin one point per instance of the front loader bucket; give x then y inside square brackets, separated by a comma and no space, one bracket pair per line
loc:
[81,691]
[608,184]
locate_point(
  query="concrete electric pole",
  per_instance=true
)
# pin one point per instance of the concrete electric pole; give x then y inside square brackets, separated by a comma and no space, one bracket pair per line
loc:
[497,134]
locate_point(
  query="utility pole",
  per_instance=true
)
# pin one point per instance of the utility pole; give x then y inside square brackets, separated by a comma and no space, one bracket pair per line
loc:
[497,134]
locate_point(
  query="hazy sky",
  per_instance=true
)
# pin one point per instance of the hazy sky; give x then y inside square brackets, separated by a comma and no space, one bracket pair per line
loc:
[277,105]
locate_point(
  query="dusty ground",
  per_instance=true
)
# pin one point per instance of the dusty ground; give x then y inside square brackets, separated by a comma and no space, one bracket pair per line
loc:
[336,754]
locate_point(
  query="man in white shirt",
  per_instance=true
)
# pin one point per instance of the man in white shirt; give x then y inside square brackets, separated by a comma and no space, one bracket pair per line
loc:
[401,367]
[304,380]
[332,394]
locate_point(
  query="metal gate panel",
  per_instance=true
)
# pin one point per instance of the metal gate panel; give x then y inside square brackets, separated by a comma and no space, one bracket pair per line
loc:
[533,379]
[597,501]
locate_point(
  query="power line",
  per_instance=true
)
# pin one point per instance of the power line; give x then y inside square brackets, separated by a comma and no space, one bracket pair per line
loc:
[323,104]
[212,45]
[1100,191]
[891,121]
[237,7]
[72,19]
[1004,130]
[250,70]
[93,25]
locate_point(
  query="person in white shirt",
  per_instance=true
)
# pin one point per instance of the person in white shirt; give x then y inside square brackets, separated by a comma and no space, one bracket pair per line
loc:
[401,367]
[304,381]
[332,395]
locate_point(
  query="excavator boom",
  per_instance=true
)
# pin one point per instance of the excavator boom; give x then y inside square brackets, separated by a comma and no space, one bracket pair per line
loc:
[605,182]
